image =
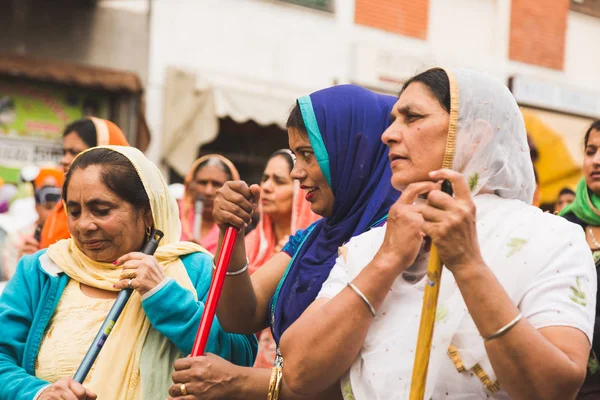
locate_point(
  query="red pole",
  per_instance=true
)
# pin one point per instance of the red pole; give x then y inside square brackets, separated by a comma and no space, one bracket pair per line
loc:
[214,292]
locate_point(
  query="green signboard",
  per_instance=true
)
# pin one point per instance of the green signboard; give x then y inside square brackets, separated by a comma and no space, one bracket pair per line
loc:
[42,110]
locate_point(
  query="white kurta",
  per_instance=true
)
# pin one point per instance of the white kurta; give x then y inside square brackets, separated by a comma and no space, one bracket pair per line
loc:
[541,260]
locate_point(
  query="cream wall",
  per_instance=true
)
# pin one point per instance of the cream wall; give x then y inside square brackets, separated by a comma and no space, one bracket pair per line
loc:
[282,45]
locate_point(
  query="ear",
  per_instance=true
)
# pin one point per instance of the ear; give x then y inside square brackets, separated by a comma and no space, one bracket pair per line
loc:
[148,220]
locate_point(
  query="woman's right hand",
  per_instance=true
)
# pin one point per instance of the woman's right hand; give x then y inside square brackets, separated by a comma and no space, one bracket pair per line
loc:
[66,389]
[403,235]
[234,204]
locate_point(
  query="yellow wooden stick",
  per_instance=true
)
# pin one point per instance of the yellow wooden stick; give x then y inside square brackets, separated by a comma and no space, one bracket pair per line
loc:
[430,299]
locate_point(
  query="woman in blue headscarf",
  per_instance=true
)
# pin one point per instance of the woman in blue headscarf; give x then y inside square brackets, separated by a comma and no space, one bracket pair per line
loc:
[343,166]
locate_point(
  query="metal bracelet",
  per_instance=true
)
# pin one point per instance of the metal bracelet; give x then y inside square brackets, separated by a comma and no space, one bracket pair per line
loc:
[362,296]
[502,331]
[234,273]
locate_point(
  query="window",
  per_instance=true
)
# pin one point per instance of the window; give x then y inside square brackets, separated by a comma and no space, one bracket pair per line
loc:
[323,5]
[589,7]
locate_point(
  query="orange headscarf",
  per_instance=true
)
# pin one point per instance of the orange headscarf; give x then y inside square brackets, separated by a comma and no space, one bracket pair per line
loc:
[188,200]
[52,176]
[56,228]
[260,243]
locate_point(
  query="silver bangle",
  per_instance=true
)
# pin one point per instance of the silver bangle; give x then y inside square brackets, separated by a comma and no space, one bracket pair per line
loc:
[502,331]
[234,273]
[362,296]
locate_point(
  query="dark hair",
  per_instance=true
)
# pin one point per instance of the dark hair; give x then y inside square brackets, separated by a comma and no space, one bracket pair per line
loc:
[436,80]
[595,125]
[564,191]
[214,162]
[285,153]
[295,120]
[85,129]
[118,174]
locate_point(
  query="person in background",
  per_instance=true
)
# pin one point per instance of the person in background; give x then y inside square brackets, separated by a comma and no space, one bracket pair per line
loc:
[47,194]
[585,212]
[205,177]
[565,197]
[78,136]
[283,211]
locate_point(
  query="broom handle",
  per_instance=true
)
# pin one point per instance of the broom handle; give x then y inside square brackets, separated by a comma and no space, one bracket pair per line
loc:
[430,300]
[214,292]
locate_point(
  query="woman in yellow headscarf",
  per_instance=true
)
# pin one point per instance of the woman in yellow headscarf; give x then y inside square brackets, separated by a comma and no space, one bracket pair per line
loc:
[52,309]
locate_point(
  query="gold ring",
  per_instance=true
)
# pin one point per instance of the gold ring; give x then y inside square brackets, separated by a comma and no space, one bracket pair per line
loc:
[183,389]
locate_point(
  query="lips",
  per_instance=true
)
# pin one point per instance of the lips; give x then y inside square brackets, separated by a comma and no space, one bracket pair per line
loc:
[310,192]
[94,244]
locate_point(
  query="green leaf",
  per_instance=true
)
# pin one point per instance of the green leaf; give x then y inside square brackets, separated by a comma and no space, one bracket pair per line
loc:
[473,181]
[515,244]
[578,295]
[441,313]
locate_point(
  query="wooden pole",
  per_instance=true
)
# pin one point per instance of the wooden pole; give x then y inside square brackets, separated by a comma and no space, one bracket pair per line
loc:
[430,299]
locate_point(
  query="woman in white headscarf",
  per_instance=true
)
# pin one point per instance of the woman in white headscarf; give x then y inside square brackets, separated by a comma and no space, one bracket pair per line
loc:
[516,310]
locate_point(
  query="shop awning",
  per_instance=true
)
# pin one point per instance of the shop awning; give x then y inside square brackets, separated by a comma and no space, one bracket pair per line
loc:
[194,102]
[68,73]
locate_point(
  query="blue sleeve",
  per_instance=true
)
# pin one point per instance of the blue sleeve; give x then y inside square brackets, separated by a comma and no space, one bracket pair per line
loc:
[18,303]
[294,242]
[175,313]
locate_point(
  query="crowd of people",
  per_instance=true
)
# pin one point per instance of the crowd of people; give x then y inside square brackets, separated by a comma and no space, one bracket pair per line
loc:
[324,291]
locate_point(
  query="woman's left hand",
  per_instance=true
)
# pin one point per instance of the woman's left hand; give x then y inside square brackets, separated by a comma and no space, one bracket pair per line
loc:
[451,222]
[141,270]
[207,377]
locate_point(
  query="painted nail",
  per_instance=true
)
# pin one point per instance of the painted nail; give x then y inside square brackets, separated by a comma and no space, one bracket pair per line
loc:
[115,262]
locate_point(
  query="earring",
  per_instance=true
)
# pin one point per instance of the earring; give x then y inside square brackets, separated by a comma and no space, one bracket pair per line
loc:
[148,233]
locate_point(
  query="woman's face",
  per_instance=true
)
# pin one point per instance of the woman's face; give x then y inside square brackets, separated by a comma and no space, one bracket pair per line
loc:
[72,146]
[102,225]
[309,174]
[277,188]
[207,181]
[417,136]
[591,162]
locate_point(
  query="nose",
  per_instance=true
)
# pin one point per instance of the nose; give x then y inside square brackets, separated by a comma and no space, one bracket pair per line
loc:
[267,186]
[85,223]
[391,135]
[65,162]
[298,173]
[596,158]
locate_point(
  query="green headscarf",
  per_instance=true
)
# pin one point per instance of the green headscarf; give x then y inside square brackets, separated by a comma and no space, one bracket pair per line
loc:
[586,206]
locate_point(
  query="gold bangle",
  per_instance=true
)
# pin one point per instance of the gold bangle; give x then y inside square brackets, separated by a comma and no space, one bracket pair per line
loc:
[278,383]
[272,383]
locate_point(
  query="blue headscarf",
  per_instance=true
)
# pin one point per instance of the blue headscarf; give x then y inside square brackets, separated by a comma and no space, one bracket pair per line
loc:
[344,125]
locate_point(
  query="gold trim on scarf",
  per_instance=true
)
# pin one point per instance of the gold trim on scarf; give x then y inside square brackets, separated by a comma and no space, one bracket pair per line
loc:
[453,124]
[489,385]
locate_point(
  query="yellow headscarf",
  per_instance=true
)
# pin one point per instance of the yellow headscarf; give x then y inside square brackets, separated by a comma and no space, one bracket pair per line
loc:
[117,372]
